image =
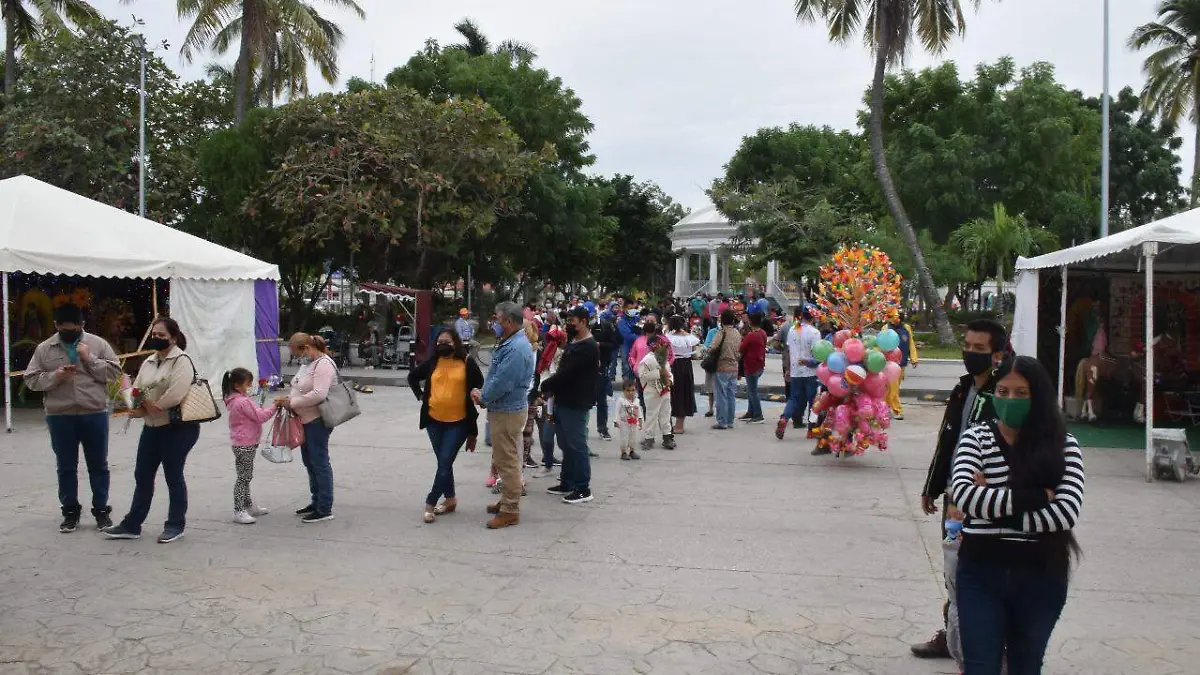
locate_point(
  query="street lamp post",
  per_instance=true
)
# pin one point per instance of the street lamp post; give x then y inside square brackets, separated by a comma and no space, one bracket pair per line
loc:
[142,131]
[1104,140]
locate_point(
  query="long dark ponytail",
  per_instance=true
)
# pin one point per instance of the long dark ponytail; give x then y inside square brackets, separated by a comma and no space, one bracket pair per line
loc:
[232,379]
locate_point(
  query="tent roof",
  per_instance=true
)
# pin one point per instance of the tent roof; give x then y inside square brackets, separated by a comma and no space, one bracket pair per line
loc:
[1122,251]
[48,230]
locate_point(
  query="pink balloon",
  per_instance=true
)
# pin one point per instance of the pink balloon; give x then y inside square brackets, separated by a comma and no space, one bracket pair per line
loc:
[841,418]
[866,407]
[893,356]
[823,373]
[892,372]
[840,337]
[875,385]
[837,386]
[882,440]
[883,414]
[854,350]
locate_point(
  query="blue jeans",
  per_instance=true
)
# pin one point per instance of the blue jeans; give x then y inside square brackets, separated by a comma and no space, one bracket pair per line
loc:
[546,434]
[447,440]
[168,446]
[1006,612]
[67,433]
[755,409]
[626,369]
[725,397]
[800,397]
[603,391]
[572,433]
[314,452]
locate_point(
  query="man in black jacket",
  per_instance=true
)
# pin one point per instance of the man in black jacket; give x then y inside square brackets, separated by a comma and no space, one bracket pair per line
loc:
[573,387]
[604,329]
[984,346]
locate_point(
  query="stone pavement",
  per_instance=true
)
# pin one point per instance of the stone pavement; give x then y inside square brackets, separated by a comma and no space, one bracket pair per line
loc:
[735,554]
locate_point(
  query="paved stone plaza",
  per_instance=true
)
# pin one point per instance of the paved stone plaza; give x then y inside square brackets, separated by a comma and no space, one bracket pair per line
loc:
[735,554]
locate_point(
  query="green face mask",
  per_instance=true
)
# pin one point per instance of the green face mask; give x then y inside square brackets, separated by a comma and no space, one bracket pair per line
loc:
[1012,411]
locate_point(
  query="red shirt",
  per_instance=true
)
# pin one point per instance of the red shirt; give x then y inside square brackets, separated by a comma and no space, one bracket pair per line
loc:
[754,351]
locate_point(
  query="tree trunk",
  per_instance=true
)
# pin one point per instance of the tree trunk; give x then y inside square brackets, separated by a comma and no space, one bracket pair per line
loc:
[1195,164]
[10,51]
[241,71]
[1000,289]
[926,285]
[268,77]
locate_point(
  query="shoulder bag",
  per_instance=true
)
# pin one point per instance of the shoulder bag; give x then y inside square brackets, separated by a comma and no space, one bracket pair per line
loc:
[341,404]
[198,404]
[713,357]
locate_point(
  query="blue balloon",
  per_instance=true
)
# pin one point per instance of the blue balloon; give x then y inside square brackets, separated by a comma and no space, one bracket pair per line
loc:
[887,340]
[838,362]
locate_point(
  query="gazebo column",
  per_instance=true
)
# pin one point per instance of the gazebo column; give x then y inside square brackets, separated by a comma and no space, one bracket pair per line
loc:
[772,277]
[725,274]
[712,271]
[681,274]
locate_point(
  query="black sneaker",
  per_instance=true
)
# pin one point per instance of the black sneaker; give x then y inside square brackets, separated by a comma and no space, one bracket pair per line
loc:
[120,532]
[604,435]
[559,490]
[316,517]
[170,534]
[530,464]
[745,417]
[578,497]
[70,519]
[708,414]
[669,442]
[647,443]
[103,517]
[633,455]
[306,510]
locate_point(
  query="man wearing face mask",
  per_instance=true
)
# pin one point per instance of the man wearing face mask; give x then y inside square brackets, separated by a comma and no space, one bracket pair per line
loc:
[984,347]
[72,369]
[629,331]
[573,389]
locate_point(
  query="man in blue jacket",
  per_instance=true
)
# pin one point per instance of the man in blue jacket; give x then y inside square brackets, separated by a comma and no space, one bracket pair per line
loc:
[505,395]
[629,330]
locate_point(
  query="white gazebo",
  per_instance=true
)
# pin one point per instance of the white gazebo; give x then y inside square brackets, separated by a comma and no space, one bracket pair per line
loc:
[705,232]
[1165,246]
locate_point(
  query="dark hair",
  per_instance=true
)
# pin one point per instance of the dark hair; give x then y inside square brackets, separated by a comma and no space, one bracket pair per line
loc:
[460,351]
[756,319]
[628,384]
[68,313]
[998,335]
[580,313]
[728,318]
[677,322]
[233,378]
[172,327]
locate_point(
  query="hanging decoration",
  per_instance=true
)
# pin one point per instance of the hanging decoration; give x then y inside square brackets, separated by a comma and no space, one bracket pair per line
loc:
[858,288]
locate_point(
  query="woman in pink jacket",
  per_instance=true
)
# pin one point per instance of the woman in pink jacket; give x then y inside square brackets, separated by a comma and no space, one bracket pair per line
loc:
[310,388]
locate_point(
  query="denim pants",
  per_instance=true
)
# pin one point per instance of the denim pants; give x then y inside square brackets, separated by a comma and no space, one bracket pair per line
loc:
[1006,609]
[67,433]
[546,433]
[167,446]
[572,433]
[726,397]
[800,398]
[755,407]
[603,391]
[314,452]
[626,369]
[447,439]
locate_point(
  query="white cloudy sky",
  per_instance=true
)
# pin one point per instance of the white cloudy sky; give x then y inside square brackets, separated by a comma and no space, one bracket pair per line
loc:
[673,85]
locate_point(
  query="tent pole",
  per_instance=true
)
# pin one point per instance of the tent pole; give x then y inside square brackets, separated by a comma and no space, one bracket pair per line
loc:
[154,298]
[1062,339]
[7,363]
[1150,249]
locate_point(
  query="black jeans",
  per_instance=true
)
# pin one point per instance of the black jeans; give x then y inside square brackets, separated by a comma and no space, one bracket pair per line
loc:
[67,434]
[603,391]
[167,446]
[1006,608]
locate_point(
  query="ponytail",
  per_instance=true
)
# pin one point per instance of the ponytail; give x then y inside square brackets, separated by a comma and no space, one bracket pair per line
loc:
[232,379]
[226,384]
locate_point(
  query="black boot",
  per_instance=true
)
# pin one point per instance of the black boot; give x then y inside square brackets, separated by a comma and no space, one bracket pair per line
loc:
[70,518]
[669,441]
[103,517]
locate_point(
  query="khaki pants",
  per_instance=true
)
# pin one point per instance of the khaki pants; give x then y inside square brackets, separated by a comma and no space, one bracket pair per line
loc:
[507,429]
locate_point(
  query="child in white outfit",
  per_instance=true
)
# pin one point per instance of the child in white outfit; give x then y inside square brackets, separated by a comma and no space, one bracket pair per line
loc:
[655,377]
[629,420]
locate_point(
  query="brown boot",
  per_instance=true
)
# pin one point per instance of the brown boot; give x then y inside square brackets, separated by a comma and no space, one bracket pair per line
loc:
[447,506]
[934,649]
[493,508]
[503,520]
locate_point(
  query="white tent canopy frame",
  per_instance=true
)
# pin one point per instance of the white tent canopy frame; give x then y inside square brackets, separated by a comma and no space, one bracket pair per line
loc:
[1167,245]
[48,230]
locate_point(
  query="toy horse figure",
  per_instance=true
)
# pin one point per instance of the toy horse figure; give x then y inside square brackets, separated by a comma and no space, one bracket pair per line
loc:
[1094,369]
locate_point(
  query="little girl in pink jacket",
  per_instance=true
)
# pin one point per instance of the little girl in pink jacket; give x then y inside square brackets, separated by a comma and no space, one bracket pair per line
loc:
[245,431]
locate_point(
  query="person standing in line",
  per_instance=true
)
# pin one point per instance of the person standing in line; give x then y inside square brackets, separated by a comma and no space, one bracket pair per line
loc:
[310,388]
[908,357]
[245,431]
[629,330]
[726,342]
[801,339]
[654,375]
[505,395]
[984,347]
[629,419]
[605,332]
[683,378]
[72,369]
[753,350]
[710,379]
[573,388]
[163,380]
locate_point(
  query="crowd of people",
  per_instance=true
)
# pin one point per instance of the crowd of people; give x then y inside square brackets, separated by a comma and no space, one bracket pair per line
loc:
[1009,476]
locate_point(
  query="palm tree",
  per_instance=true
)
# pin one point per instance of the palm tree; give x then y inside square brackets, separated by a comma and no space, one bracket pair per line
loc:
[477,44]
[995,243]
[276,36]
[1172,71]
[21,27]
[888,29]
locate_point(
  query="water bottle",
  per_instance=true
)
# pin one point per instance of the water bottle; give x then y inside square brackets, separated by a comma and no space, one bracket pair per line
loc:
[953,529]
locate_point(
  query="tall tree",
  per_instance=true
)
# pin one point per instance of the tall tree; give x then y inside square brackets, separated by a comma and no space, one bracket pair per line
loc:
[1172,70]
[993,244]
[476,43]
[888,28]
[638,255]
[268,33]
[21,26]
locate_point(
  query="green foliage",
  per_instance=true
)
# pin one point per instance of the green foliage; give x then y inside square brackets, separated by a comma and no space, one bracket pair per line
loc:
[22,27]
[637,254]
[991,245]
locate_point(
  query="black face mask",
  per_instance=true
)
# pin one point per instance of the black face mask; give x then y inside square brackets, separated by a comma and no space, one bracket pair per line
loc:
[157,344]
[976,363]
[445,350]
[572,331]
[69,337]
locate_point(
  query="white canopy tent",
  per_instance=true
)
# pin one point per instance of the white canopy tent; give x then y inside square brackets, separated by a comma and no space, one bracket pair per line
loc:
[1167,245]
[48,230]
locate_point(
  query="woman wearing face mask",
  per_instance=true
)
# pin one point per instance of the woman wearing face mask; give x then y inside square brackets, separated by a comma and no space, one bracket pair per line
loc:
[310,388]
[1017,542]
[163,382]
[447,413]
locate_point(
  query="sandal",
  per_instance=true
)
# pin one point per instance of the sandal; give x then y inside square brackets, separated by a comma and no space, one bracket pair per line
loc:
[429,513]
[447,506]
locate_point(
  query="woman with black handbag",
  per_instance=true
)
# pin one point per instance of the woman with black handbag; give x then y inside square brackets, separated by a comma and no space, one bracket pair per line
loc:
[162,383]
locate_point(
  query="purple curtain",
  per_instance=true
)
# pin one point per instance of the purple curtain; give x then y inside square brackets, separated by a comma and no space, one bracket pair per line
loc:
[266,327]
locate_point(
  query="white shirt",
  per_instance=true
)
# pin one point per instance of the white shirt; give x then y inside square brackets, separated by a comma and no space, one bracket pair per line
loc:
[683,345]
[800,344]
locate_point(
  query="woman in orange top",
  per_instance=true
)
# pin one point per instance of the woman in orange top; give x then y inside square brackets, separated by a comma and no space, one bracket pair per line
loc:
[447,413]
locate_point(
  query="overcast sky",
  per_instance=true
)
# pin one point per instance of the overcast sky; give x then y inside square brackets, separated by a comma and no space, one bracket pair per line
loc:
[673,85]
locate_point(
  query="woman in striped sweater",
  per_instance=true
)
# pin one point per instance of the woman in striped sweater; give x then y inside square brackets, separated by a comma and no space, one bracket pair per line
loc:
[1020,482]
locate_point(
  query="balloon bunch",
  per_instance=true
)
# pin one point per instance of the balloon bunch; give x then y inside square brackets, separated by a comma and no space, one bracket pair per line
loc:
[858,288]
[856,373]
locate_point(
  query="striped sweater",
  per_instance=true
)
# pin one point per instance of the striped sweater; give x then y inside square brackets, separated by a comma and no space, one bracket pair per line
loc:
[996,510]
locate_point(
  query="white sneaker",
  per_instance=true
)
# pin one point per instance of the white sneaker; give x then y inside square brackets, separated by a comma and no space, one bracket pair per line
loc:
[256,510]
[543,472]
[243,518]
